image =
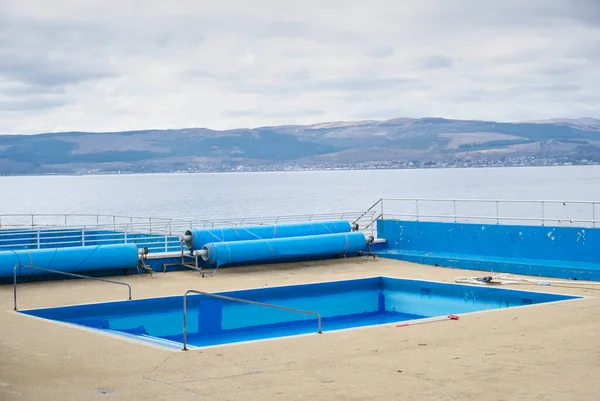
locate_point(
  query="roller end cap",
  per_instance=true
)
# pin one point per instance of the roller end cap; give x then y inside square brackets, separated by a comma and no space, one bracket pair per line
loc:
[188,238]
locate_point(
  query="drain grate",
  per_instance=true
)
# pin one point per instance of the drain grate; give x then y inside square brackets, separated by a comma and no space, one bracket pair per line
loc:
[104,391]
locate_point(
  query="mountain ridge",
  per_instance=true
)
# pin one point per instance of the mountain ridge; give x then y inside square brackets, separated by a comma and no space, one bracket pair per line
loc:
[398,142]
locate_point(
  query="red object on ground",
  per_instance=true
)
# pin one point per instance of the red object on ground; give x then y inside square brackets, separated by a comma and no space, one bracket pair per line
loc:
[452,317]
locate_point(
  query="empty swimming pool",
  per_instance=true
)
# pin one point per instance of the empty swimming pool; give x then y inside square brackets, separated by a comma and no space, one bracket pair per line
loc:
[340,304]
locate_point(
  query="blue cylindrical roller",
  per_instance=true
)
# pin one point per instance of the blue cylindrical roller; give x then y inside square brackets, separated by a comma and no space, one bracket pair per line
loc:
[71,260]
[221,253]
[198,237]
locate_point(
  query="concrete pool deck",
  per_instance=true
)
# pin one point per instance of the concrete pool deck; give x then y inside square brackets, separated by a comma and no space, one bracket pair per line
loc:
[539,352]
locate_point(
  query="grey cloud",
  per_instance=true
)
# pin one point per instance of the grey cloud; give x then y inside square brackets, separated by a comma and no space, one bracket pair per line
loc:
[151,63]
[45,71]
[31,90]
[29,104]
[515,92]
[299,75]
[266,113]
[437,61]
[363,83]
[587,11]
[48,53]
[349,84]
[295,29]
[559,88]
[300,81]
[381,51]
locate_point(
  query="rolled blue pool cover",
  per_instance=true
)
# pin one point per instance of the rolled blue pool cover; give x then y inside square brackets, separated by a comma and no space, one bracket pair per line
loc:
[203,236]
[71,260]
[222,253]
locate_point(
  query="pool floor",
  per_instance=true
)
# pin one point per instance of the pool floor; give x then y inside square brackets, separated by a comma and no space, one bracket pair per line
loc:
[341,304]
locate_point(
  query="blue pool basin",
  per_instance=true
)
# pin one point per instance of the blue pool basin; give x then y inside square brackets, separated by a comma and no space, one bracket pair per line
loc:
[341,305]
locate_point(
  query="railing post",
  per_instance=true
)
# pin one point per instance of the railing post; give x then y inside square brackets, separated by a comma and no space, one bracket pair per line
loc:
[15,288]
[166,242]
[83,236]
[150,224]
[372,225]
[38,239]
[594,213]
[185,322]
[417,203]
[32,223]
[125,234]
[66,220]
[381,214]
[497,212]
[454,209]
[97,221]
[114,223]
[543,214]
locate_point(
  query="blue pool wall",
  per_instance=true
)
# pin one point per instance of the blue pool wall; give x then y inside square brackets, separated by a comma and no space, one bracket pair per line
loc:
[560,252]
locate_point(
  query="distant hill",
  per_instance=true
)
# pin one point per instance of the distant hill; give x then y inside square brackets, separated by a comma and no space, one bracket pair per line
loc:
[418,141]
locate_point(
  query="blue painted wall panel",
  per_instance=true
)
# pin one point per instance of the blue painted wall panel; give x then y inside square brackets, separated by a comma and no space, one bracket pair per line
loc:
[554,243]
[565,252]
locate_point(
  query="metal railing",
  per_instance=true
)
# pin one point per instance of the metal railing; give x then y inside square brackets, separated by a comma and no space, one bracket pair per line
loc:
[74,220]
[63,273]
[152,224]
[224,297]
[34,231]
[37,238]
[506,211]
[156,234]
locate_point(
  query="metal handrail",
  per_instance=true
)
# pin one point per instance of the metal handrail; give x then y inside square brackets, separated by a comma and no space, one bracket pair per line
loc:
[372,213]
[59,272]
[419,202]
[372,222]
[487,200]
[157,233]
[442,216]
[237,300]
[151,221]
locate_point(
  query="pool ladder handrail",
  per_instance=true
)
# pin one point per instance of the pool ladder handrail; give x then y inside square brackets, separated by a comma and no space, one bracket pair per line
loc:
[59,272]
[246,301]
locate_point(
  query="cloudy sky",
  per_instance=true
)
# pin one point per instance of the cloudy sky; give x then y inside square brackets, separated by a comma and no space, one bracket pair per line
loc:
[103,65]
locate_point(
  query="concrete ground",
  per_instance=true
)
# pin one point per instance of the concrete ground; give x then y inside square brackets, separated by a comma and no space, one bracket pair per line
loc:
[542,352]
